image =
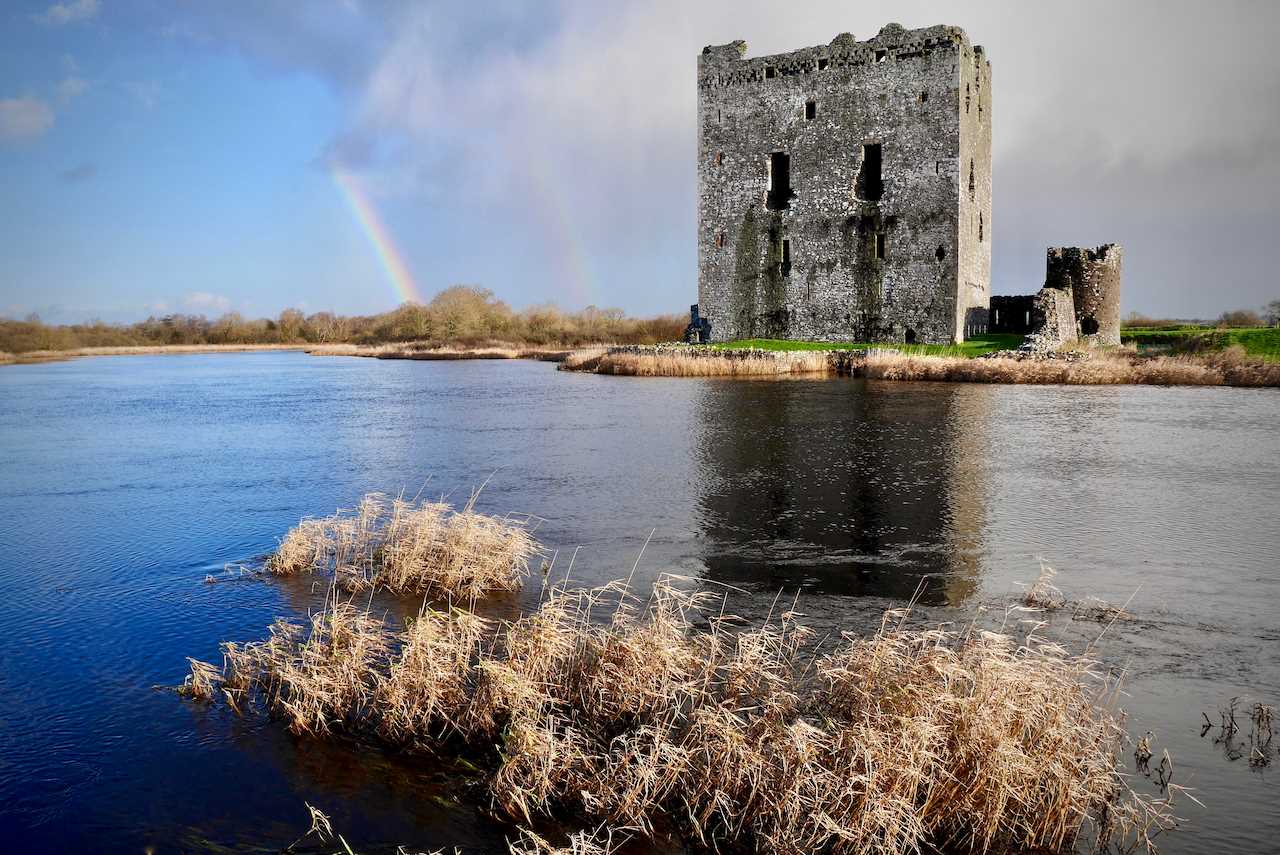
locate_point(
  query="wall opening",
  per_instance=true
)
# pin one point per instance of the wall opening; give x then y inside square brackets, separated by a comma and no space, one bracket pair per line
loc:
[720,240]
[823,63]
[882,248]
[910,337]
[940,253]
[786,257]
[719,158]
[981,238]
[770,72]
[810,110]
[870,184]
[780,192]
[971,185]
[1088,325]
[882,55]
[924,97]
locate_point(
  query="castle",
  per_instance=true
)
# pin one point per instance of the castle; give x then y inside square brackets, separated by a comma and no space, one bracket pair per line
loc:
[844,191]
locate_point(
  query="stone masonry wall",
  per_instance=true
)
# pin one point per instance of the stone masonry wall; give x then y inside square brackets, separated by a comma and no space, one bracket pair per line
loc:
[838,260]
[1093,276]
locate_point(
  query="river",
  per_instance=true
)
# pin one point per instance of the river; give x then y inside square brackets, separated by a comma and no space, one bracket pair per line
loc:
[126,480]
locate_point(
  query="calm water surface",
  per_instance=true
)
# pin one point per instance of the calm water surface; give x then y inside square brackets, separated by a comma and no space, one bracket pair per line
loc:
[124,481]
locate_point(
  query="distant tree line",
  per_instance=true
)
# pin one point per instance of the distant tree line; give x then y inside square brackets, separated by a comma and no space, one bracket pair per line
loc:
[461,315]
[1237,319]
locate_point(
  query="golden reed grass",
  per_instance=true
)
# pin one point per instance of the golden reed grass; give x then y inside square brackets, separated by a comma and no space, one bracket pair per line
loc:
[1231,367]
[638,361]
[671,714]
[411,547]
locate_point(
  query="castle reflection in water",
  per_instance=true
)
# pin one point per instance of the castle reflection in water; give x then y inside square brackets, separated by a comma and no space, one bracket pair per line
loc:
[857,488]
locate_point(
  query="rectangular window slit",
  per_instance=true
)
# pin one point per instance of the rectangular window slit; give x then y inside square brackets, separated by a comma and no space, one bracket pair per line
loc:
[770,72]
[810,110]
[786,257]
[870,187]
[881,248]
[823,63]
[881,55]
[780,192]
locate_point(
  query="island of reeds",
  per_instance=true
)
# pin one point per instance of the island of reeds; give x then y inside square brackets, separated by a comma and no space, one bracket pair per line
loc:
[658,713]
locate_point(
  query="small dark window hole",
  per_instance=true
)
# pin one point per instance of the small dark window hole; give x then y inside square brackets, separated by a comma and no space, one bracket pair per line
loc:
[881,247]
[941,252]
[811,110]
[870,186]
[780,192]
[786,257]
[881,55]
[770,72]
[1088,325]
[823,63]
[924,97]
[910,337]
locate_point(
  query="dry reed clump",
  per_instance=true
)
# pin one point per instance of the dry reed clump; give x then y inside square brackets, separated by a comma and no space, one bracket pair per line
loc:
[692,361]
[670,713]
[407,547]
[1228,368]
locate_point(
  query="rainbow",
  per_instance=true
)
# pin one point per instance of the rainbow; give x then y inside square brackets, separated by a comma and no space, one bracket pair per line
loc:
[367,216]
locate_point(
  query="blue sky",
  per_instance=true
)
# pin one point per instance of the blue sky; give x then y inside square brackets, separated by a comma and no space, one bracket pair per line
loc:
[160,156]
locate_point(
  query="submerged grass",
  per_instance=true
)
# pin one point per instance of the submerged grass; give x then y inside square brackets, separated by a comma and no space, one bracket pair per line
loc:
[411,547]
[670,715]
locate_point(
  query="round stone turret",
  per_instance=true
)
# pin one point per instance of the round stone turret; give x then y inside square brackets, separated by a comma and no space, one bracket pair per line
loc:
[1093,276]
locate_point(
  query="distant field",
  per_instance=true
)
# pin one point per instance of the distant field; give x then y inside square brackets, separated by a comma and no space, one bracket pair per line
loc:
[976,346]
[1261,341]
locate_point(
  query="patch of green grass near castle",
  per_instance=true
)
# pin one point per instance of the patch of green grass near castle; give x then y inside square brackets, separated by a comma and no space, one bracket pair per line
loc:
[976,346]
[1259,341]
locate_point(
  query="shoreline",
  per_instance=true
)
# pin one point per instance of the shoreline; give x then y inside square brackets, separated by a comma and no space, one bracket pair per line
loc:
[1074,368]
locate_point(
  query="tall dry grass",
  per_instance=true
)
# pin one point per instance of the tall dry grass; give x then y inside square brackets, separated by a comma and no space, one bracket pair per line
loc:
[631,714]
[1228,368]
[678,361]
[411,547]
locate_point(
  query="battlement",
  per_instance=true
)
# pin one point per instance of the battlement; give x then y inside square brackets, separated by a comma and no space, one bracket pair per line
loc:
[727,64]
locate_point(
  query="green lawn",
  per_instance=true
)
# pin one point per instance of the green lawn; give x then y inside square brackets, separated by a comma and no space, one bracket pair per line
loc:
[973,347]
[1260,341]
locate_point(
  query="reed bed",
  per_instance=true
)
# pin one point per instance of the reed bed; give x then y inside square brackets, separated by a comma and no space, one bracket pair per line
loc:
[669,716]
[1229,368]
[685,361]
[411,547]
[425,350]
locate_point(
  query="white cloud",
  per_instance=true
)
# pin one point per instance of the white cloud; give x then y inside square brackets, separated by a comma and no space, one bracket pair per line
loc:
[204,301]
[24,119]
[72,87]
[69,12]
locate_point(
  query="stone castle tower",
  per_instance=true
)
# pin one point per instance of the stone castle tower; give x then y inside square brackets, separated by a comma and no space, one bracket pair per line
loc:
[844,191]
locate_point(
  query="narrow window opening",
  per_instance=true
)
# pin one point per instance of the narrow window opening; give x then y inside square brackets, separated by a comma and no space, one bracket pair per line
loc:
[941,252]
[910,337]
[780,192]
[770,72]
[966,97]
[881,55]
[823,63]
[870,185]
[971,185]
[720,240]
[881,246]
[1089,326]
[719,158]
[786,257]
[1027,320]
[924,97]
[810,110]
[980,237]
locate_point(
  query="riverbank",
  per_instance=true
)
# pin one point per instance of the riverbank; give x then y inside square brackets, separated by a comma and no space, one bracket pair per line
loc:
[399,350]
[1231,367]
[35,356]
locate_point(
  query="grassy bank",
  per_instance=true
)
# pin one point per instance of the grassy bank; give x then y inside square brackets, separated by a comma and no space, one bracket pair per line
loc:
[1263,342]
[622,711]
[430,351]
[33,356]
[1231,367]
[976,346]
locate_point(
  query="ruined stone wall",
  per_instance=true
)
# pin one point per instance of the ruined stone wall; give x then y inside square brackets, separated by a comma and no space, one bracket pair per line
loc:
[1053,318]
[1012,314]
[842,259]
[1093,276]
